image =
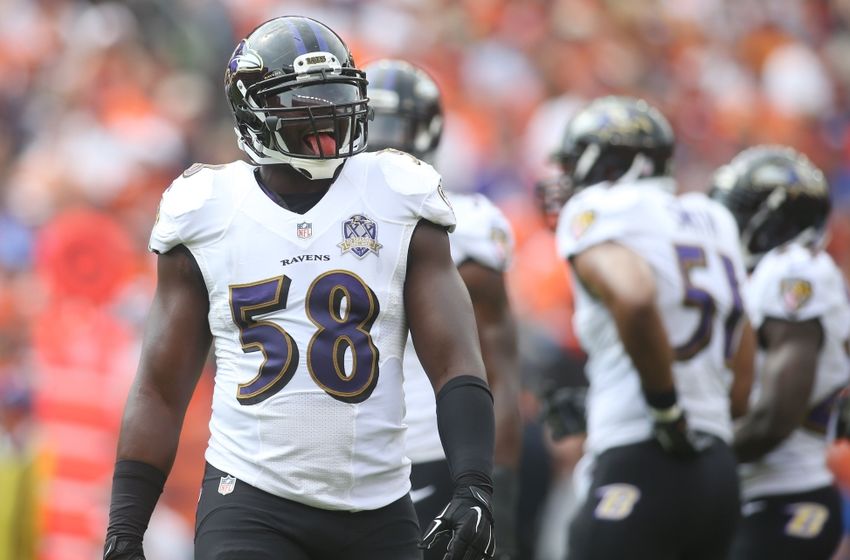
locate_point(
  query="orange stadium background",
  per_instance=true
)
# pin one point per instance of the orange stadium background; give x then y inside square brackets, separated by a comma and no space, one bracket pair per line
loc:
[103,103]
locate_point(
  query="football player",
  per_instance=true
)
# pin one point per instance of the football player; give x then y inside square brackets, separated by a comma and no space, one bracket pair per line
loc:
[409,117]
[797,301]
[659,313]
[304,269]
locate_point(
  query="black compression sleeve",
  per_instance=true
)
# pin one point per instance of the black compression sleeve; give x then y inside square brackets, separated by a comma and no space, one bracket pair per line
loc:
[468,430]
[136,487]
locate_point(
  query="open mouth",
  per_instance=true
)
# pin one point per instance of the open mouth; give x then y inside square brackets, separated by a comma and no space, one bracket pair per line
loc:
[321,143]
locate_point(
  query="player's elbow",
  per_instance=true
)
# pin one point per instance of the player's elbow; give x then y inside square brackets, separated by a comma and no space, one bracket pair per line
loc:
[632,306]
[763,433]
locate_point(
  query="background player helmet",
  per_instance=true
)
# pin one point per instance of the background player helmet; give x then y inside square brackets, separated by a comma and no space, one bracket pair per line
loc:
[776,195]
[615,138]
[297,96]
[551,195]
[407,107]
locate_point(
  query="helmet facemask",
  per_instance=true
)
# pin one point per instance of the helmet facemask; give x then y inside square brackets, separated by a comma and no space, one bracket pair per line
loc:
[312,118]
[551,195]
[777,222]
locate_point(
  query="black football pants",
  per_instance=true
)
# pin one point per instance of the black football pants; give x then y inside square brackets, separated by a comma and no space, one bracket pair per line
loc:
[644,504]
[431,489]
[249,524]
[805,525]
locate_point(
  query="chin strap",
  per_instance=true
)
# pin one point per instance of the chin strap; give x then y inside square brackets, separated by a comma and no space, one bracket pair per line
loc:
[310,168]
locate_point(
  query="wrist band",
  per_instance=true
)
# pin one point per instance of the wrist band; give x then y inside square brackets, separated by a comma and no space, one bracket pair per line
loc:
[661,400]
[666,414]
[136,487]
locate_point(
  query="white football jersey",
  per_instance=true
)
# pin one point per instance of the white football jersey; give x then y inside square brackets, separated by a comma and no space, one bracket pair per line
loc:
[307,315]
[691,244]
[795,283]
[482,235]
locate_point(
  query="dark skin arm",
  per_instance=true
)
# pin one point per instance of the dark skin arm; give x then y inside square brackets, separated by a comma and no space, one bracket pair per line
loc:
[439,310]
[786,380]
[498,339]
[625,284]
[743,364]
[176,343]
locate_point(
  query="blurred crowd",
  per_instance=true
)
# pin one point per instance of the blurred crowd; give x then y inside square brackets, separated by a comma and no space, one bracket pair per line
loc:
[105,102]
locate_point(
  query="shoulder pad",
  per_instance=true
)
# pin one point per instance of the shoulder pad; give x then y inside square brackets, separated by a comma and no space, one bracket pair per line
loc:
[197,206]
[483,234]
[414,189]
[599,214]
[794,283]
[405,173]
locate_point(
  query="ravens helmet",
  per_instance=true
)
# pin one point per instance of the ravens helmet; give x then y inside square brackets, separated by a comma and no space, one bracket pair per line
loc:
[407,107]
[297,96]
[615,138]
[776,195]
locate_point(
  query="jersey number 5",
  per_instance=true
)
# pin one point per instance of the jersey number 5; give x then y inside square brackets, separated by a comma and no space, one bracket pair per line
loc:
[691,257]
[340,305]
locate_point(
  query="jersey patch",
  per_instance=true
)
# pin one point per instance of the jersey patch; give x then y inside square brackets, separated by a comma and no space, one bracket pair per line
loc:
[582,222]
[360,236]
[502,240]
[156,219]
[796,293]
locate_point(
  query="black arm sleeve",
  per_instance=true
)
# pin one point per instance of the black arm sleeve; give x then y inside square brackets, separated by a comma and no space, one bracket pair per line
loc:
[136,487]
[467,429]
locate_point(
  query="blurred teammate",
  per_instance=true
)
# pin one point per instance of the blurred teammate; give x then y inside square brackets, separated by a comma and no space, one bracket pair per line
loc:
[797,300]
[409,117]
[305,269]
[658,312]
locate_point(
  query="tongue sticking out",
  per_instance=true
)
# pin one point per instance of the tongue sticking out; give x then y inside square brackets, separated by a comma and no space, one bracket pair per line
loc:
[325,140]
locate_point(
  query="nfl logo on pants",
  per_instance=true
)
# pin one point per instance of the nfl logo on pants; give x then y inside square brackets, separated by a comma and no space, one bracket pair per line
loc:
[226,485]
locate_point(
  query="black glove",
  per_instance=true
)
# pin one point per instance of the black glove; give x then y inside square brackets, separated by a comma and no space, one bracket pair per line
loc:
[123,548]
[565,411]
[676,438]
[468,521]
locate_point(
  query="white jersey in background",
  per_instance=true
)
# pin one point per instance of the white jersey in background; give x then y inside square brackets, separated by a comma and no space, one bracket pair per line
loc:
[482,235]
[691,244]
[795,283]
[307,315]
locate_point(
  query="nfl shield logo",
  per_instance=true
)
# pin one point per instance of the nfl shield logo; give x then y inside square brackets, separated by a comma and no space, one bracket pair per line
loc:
[360,236]
[304,230]
[226,485]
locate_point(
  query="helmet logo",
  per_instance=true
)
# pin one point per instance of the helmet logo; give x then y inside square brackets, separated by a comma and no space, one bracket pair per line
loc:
[245,59]
[622,121]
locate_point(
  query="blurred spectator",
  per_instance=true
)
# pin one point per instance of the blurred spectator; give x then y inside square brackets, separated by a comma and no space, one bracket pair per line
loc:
[20,479]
